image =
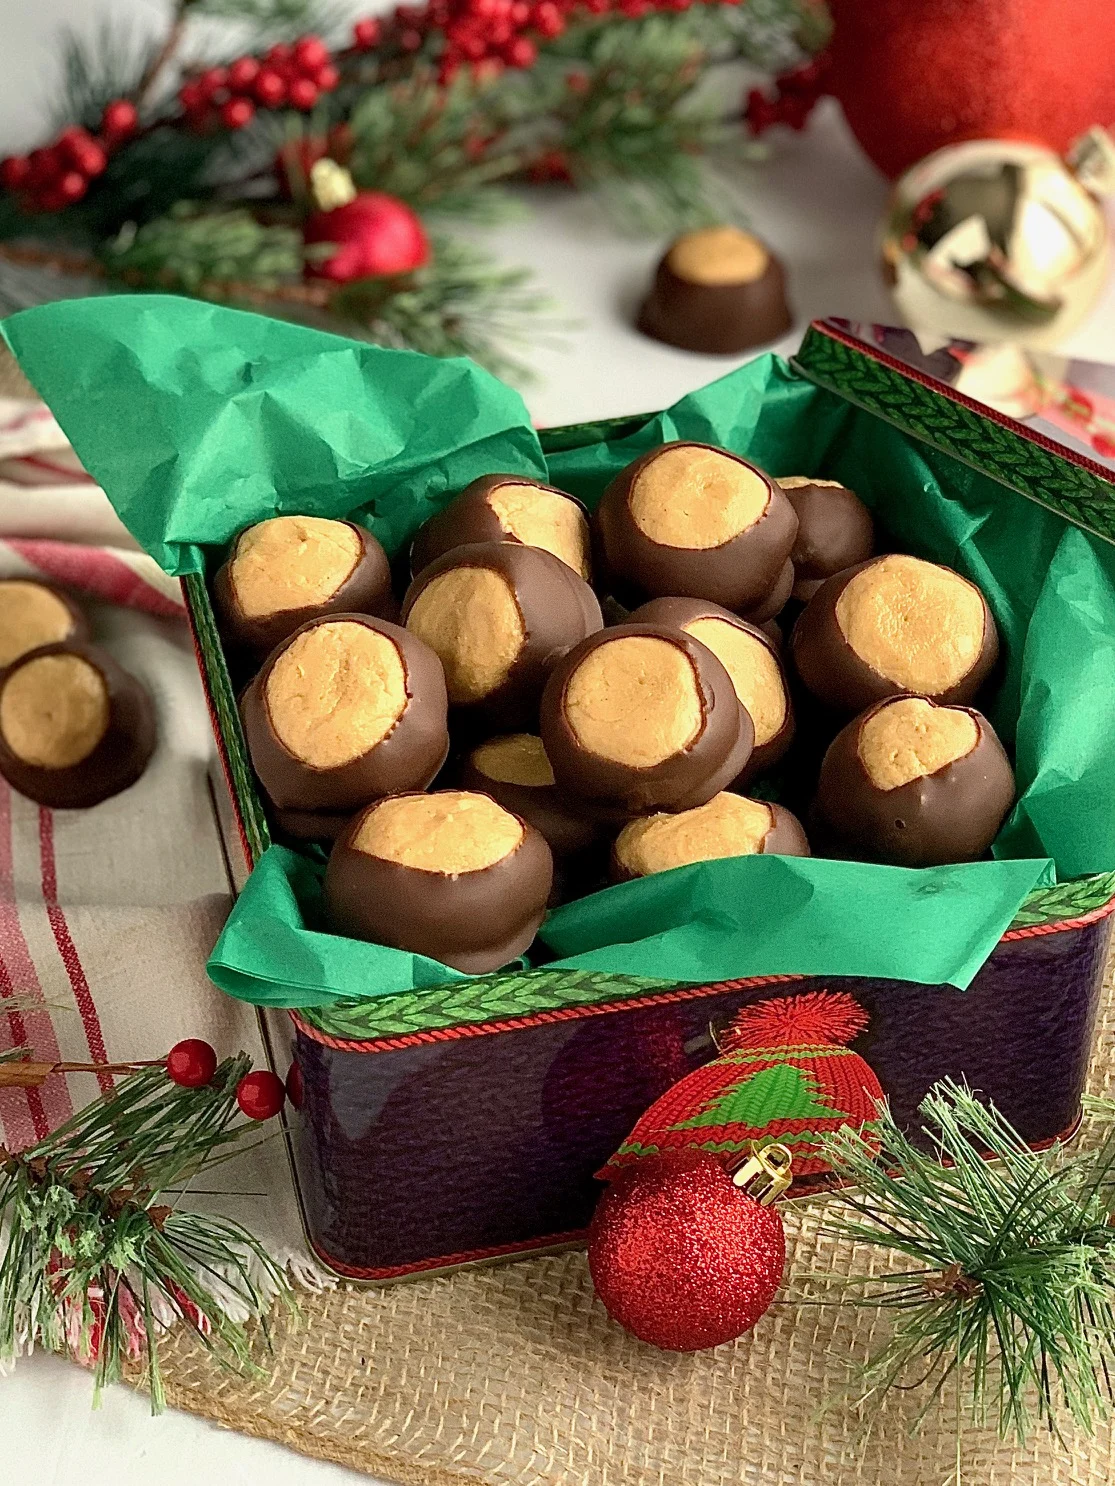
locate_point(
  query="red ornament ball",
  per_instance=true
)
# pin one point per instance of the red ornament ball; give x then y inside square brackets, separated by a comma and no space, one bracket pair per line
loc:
[681,1257]
[260,1095]
[191,1063]
[916,75]
[375,234]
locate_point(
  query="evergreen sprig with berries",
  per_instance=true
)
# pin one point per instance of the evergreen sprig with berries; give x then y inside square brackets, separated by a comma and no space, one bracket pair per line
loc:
[431,109]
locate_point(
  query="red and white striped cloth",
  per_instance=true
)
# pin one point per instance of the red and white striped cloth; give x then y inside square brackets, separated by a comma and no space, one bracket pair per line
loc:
[107,915]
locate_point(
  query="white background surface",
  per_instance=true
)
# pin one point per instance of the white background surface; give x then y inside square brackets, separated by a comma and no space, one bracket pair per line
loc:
[817,202]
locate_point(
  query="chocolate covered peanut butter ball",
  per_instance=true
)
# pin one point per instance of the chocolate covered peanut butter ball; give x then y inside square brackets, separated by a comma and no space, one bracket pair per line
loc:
[642,718]
[915,784]
[286,571]
[727,826]
[508,508]
[718,290]
[451,875]
[894,624]
[34,614]
[346,710]
[835,531]
[515,771]
[75,727]
[692,521]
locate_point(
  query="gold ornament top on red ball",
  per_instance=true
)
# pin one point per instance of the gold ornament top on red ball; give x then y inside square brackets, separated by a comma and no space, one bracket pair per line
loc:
[372,234]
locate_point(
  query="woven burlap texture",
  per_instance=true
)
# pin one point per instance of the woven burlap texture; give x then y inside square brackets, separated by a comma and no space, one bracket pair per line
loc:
[515,1376]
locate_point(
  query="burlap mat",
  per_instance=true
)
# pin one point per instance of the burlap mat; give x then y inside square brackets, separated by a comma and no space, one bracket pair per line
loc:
[516,1375]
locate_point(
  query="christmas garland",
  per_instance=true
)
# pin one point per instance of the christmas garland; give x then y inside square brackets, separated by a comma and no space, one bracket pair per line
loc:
[175,171]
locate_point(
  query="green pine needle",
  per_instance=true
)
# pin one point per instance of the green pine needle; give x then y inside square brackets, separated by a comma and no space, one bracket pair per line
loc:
[1009,1295]
[91,1246]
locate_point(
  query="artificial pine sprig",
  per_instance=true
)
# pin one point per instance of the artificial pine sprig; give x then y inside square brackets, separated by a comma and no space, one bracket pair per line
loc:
[1010,1296]
[97,1260]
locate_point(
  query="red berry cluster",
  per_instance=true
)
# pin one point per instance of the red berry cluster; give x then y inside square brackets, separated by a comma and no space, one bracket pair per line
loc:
[57,175]
[286,76]
[796,95]
[192,1063]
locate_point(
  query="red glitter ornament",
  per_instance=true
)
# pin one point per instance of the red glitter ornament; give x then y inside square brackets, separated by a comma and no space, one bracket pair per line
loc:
[260,1095]
[916,75]
[374,234]
[683,1258]
[191,1063]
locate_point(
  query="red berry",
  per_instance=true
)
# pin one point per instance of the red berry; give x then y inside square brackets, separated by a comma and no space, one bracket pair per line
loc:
[269,89]
[576,82]
[295,1086]
[597,7]
[72,138]
[242,74]
[91,160]
[365,34]
[410,39]
[238,113]
[302,93]
[310,53]
[634,10]
[547,19]
[50,200]
[191,1063]
[14,172]
[327,78]
[73,186]
[211,81]
[191,97]
[520,13]
[521,52]
[277,55]
[119,119]
[474,48]
[260,1095]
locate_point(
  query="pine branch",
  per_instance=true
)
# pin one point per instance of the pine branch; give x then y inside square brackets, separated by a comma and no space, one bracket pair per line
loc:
[1009,1290]
[109,63]
[191,247]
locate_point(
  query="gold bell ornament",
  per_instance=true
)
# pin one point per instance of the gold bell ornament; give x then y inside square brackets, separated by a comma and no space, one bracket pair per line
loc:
[995,240]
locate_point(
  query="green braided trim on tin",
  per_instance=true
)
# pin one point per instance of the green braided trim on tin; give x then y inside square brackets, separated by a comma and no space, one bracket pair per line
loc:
[978,438]
[1065,901]
[228,716]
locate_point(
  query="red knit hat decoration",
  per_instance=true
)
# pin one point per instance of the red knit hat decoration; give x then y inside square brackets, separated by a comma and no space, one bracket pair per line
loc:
[784,1072]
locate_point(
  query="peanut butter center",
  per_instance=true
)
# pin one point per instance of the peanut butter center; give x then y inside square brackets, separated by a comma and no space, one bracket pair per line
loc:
[909,738]
[292,562]
[797,482]
[917,624]
[635,700]
[754,671]
[728,826]
[696,498]
[450,832]
[335,692]
[718,255]
[539,518]
[30,616]
[518,758]
[470,618]
[54,711]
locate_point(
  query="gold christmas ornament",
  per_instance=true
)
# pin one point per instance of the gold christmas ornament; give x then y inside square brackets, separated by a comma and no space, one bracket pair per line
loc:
[998,240]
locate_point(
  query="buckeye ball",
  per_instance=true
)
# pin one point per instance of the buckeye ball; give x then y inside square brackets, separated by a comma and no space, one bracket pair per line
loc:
[75,728]
[643,717]
[450,875]
[286,571]
[718,290]
[727,826]
[751,659]
[835,531]
[890,625]
[508,508]
[915,784]
[346,710]
[515,771]
[689,520]
[34,614]
[498,615]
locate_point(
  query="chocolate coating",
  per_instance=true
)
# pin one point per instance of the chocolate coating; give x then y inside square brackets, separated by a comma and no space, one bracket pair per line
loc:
[720,319]
[614,790]
[55,619]
[470,519]
[840,678]
[367,590]
[777,599]
[835,531]
[118,759]
[565,828]
[677,614]
[310,825]
[406,759]
[952,815]
[474,921]
[740,573]
[557,609]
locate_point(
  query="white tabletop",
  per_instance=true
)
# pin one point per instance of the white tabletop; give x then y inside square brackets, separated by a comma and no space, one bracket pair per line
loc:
[817,202]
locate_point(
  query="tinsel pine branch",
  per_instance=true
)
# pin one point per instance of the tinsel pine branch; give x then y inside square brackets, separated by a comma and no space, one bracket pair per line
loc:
[98,1261]
[1009,1294]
